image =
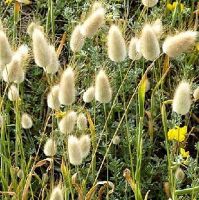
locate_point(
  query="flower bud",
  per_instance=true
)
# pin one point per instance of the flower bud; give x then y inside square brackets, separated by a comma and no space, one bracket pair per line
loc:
[116,45]
[103,91]
[53,98]
[50,147]
[82,121]
[175,45]
[67,87]
[67,123]
[149,44]
[13,93]
[74,150]
[89,95]
[77,39]
[93,23]
[182,98]
[85,144]
[26,121]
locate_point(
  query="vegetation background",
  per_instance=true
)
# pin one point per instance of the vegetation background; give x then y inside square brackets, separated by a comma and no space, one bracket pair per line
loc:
[59,17]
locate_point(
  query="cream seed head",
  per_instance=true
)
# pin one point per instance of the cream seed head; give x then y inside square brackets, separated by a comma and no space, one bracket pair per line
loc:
[196,94]
[13,93]
[179,174]
[96,5]
[67,87]
[81,121]
[53,65]
[149,3]
[26,121]
[57,194]
[74,150]
[32,26]
[149,44]
[116,44]
[116,139]
[50,147]
[89,95]
[133,52]
[41,49]
[85,144]
[5,50]
[53,98]
[182,98]
[13,72]
[103,91]
[77,39]
[157,27]
[93,23]
[67,123]
[175,45]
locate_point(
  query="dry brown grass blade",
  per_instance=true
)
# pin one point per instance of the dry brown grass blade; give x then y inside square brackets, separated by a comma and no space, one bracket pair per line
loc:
[105,184]
[61,45]
[8,193]
[77,187]
[166,64]
[127,176]
[150,124]
[28,180]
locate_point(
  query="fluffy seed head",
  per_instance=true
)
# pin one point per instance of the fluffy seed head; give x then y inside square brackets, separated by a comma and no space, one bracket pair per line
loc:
[149,3]
[53,65]
[74,150]
[13,93]
[93,23]
[179,174]
[133,52]
[103,91]
[149,44]
[196,94]
[157,28]
[116,140]
[175,45]
[116,44]
[96,6]
[67,87]
[41,49]
[85,144]
[182,98]
[13,72]
[57,194]
[32,26]
[5,50]
[77,39]
[50,147]
[53,98]
[26,121]
[81,121]
[89,95]
[67,123]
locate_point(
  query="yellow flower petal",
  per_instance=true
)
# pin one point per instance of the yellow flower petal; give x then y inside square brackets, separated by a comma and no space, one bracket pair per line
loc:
[185,154]
[177,133]
[170,7]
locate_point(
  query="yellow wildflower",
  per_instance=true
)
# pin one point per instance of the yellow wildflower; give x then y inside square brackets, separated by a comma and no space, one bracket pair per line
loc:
[20,1]
[177,133]
[175,5]
[60,114]
[184,154]
[8,1]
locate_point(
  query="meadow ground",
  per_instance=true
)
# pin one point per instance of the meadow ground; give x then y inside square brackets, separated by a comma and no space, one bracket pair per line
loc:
[99,100]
